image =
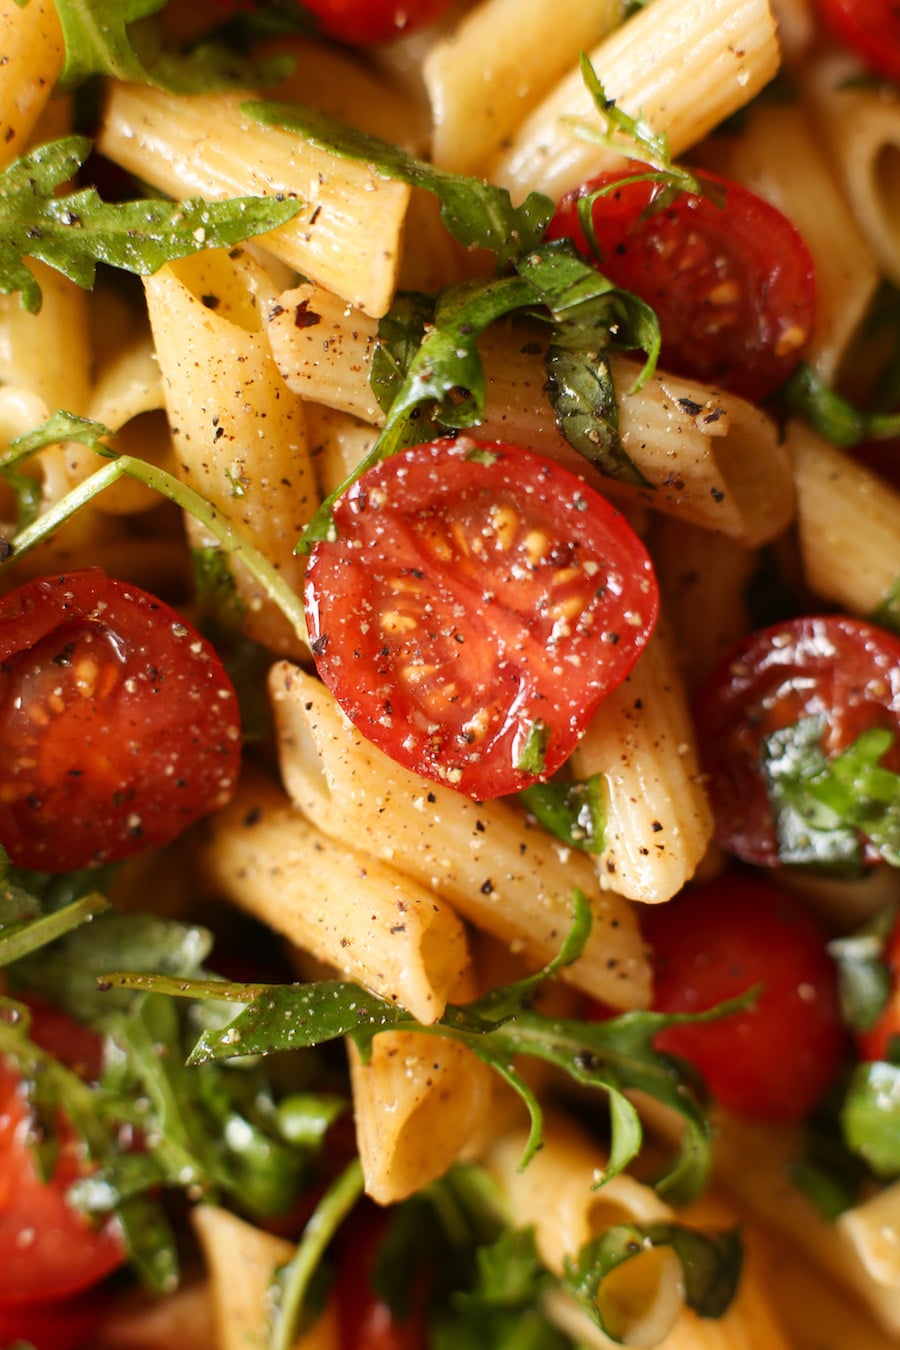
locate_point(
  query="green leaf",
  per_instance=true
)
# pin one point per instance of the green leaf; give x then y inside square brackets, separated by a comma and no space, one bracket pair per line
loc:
[887,615]
[400,335]
[832,416]
[478,214]
[870,1116]
[571,811]
[711,1264]
[864,980]
[72,233]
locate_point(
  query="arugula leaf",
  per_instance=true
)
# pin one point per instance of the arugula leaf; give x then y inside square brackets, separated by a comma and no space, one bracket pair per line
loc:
[870,1116]
[571,811]
[72,233]
[401,333]
[711,1264]
[832,416]
[116,38]
[864,980]
[824,807]
[478,214]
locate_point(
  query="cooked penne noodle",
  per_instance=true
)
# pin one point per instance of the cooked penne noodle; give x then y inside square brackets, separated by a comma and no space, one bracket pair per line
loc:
[267,858]
[487,72]
[779,156]
[709,458]
[31,43]
[347,237]
[658,822]
[147,1323]
[848,520]
[872,1228]
[241,442]
[717,57]
[482,858]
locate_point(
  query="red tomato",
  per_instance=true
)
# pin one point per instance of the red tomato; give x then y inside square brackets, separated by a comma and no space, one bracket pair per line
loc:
[67,1325]
[843,669]
[363,22]
[118,725]
[883,1039]
[365,1320]
[476,597]
[733,286]
[718,940]
[48,1250]
[871,28]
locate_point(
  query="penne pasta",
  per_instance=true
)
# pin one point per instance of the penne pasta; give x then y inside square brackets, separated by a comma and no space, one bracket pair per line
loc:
[31,42]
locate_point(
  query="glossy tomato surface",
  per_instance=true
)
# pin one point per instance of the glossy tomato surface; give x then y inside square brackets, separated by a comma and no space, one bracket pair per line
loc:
[871,28]
[48,1249]
[882,1041]
[477,600]
[716,941]
[365,22]
[118,725]
[843,670]
[733,285]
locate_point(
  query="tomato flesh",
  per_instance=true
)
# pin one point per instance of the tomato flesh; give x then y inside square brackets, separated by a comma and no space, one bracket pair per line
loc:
[365,1320]
[733,285]
[841,669]
[118,725]
[714,942]
[476,597]
[871,28]
[48,1249]
[364,22]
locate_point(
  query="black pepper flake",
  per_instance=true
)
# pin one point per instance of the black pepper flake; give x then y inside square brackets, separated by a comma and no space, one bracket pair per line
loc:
[320,645]
[253,817]
[717,494]
[211,301]
[487,887]
[689,406]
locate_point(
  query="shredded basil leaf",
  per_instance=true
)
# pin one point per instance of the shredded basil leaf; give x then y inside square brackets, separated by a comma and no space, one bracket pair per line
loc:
[871,1116]
[571,811]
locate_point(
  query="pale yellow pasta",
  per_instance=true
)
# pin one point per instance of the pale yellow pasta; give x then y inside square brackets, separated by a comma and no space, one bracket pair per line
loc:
[814,1309]
[860,123]
[872,1228]
[239,434]
[658,821]
[779,156]
[338,443]
[485,73]
[559,1196]
[708,457]
[358,915]
[514,881]
[797,24]
[848,522]
[420,1103]
[683,66]
[48,353]
[142,1322]
[31,43]
[243,1262]
[347,235]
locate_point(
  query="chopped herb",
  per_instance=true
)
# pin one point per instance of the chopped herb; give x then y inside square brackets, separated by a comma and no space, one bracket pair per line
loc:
[871,1116]
[572,811]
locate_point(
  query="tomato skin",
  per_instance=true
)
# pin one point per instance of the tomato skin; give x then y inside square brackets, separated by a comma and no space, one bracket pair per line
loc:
[871,28]
[67,1325]
[118,725]
[843,669]
[473,592]
[365,22]
[881,1040]
[714,942]
[65,1253]
[733,286]
[365,1321]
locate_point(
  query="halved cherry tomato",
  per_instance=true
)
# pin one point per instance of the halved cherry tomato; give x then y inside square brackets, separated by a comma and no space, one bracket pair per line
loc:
[871,28]
[733,285]
[882,1041]
[48,1249]
[365,1319]
[477,604]
[716,941]
[118,725]
[68,1325]
[363,22]
[845,670]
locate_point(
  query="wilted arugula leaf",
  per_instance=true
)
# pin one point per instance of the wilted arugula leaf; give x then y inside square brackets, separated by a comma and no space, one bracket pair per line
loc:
[478,214]
[400,335]
[832,416]
[117,38]
[864,980]
[870,1116]
[72,233]
[61,426]
[571,811]
[711,1264]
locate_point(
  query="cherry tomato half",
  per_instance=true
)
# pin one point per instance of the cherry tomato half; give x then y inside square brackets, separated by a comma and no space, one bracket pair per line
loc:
[363,22]
[118,725]
[844,670]
[883,1039]
[477,603]
[871,28]
[68,1325]
[48,1249]
[365,1319]
[733,285]
[716,941]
